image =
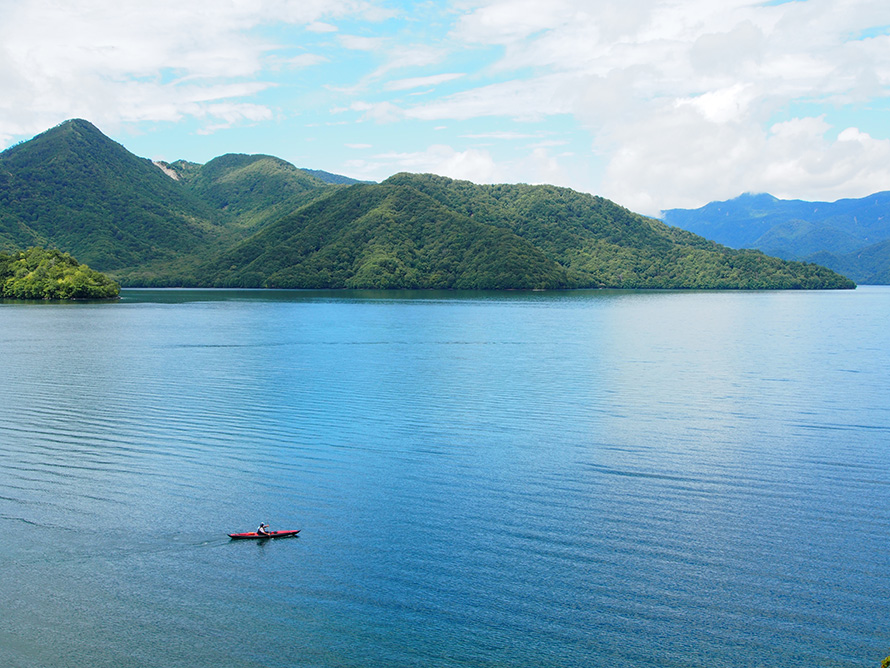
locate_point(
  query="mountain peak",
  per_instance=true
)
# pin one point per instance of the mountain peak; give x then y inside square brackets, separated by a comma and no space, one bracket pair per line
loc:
[78,123]
[73,126]
[757,198]
[74,137]
[90,196]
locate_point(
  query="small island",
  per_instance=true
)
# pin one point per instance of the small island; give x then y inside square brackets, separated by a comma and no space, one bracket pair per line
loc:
[39,273]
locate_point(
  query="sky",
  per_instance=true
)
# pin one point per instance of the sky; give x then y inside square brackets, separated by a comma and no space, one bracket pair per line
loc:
[654,104]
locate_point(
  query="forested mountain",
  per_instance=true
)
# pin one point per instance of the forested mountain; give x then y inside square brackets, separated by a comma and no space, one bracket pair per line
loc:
[383,236]
[258,221]
[74,188]
[425,231]
[251,189]
[848,235]
[335,179]
[870,264]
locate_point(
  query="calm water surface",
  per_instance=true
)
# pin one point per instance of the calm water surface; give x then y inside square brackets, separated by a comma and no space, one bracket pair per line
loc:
[602,479]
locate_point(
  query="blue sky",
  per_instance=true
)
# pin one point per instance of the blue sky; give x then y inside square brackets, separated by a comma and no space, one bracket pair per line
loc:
[654,104]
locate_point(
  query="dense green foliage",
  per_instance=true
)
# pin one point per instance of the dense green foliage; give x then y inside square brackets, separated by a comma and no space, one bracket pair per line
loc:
[50,274]
[253,189]
[384,236]
[258,221]
[425,231]
[75,189]
[871,265]
[849,236]
[601,244]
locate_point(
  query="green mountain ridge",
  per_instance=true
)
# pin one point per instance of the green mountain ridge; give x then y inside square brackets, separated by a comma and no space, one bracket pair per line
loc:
[258,221]
[334,179]
[384,236]
[426,231]
[870,264]
[73,188]
[253,188]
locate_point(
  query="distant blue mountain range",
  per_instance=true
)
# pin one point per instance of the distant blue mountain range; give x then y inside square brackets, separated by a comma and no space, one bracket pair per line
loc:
[851,236]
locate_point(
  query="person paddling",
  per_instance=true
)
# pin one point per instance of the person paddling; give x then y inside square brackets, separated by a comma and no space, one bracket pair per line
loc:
[263,529]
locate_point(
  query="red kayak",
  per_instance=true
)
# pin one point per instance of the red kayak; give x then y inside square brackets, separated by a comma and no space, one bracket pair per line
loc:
[260,536]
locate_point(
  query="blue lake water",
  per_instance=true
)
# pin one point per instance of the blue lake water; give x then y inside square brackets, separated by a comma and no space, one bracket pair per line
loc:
[598,479]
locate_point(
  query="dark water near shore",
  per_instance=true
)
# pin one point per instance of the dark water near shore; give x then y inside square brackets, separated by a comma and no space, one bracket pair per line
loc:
[604,479]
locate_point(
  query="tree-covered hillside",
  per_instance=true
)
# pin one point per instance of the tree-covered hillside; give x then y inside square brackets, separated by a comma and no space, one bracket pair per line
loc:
[383,236]
[50,274]
[258,221]
[871,265]
[252,189]
[602,244]
[424,231]
[74,188]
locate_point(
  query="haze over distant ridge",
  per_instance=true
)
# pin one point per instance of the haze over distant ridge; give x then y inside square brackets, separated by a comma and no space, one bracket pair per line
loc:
[851,236]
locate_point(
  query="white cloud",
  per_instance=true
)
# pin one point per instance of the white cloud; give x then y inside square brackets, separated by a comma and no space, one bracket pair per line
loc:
[504,135]
[685,163]
[537,166]
[361,43]
[472,165]
[852,165]
[542,167]
[678,95]
[408,56]
[228,114]
[549,143]
[722,106]
[379,112]
[398,57]
[507,21]
[304,60]
[119,61]
[418,82]
[321,27]
[516,99]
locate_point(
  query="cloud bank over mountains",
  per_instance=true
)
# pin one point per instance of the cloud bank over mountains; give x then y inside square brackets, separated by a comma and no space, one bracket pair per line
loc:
[653,103]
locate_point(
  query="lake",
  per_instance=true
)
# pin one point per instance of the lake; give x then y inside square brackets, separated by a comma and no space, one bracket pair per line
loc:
[593,478]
